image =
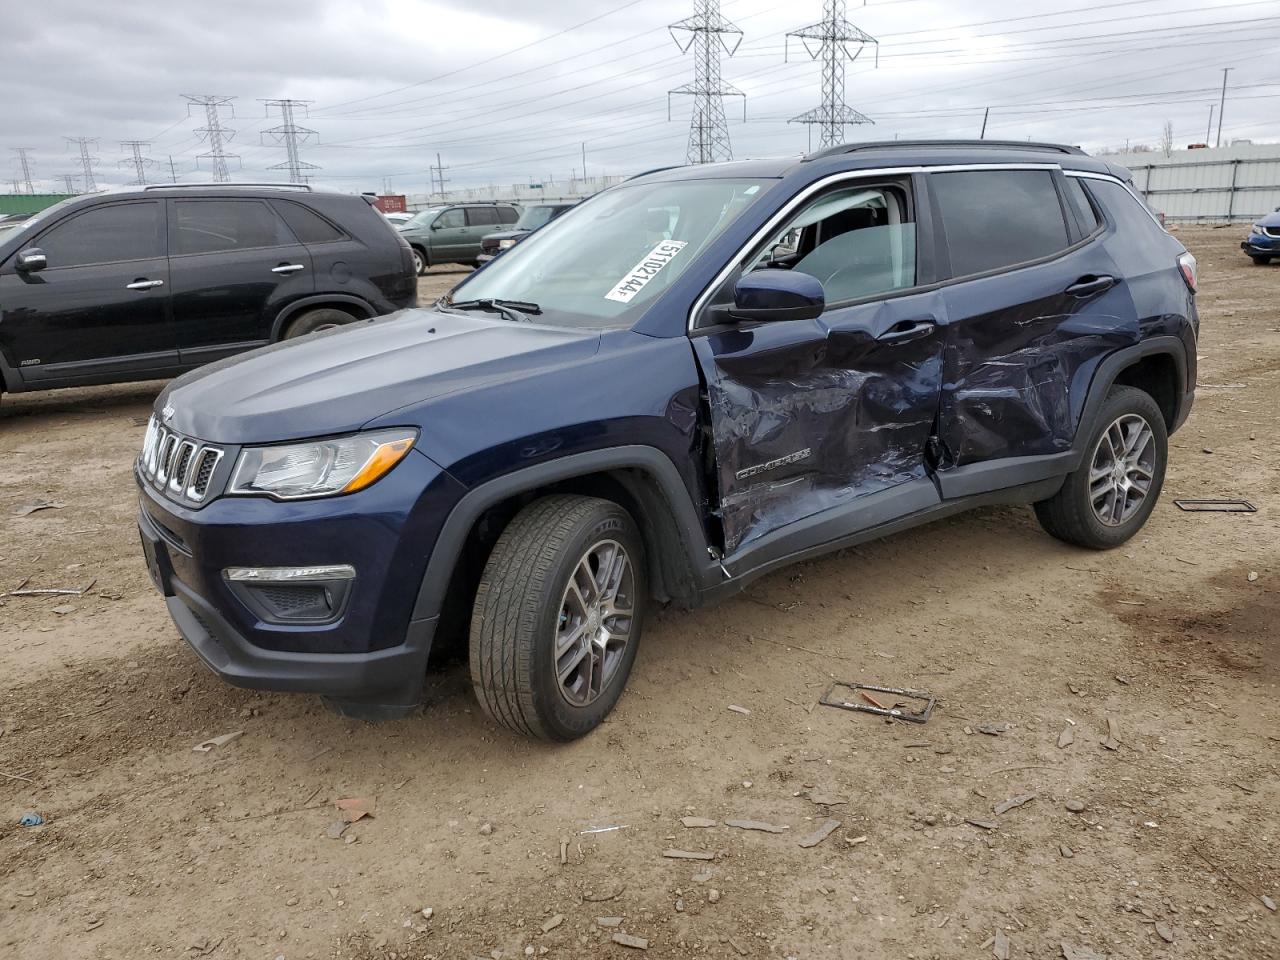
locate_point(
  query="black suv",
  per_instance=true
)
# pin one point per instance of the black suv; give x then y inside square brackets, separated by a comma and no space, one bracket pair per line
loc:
[691,379]
[149,282]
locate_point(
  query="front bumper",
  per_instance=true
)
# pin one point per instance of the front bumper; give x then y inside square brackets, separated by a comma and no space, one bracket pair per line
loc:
[371,660]
[1261,246]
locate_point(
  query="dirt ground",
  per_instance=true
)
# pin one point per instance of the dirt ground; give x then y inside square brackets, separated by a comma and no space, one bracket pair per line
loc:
[151,849]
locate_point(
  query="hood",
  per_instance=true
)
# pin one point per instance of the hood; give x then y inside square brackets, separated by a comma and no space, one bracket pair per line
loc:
[504,235]
[337,381]
[1270,220]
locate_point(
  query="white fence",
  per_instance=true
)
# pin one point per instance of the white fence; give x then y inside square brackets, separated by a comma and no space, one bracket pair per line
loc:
[1240,182]
[522,193]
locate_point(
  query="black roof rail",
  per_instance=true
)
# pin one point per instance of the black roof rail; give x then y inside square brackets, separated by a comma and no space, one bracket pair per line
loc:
[228,185]
[670,166]
[1025,145]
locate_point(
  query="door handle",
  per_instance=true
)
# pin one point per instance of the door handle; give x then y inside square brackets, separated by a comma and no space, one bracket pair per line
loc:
[906,331]
[288,268]
[1087,286]
[144,284]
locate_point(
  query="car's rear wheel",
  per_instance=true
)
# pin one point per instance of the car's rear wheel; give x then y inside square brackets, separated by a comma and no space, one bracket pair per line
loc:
[557,617]
[1109,498]
[313,321]
[1260,261]
[420,264]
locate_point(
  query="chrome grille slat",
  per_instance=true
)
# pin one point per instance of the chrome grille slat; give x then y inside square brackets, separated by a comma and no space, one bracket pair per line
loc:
[178,466]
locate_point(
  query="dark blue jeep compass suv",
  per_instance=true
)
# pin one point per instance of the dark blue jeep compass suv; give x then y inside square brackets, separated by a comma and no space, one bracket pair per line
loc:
[685,382]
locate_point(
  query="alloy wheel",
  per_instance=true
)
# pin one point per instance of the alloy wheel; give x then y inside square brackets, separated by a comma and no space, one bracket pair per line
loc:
[594,626]
[1122,470]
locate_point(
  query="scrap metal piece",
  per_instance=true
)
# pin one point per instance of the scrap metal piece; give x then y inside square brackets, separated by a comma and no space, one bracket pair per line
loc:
[829,699]
[1216,506]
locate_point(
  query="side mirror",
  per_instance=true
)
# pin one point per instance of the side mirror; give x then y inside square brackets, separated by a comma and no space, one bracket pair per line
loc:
[31,260]
[770,295]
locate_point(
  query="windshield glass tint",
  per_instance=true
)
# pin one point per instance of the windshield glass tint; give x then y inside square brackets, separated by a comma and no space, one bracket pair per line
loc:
[534,217]
[597,265]
[421,218]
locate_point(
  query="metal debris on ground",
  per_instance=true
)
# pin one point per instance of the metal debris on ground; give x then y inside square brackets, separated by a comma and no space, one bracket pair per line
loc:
[621,826]
[26,509]
[697,822]
[1005,806]
[896,711]
[1216,506]
[23,591]
[221,741]
[756,825]
[356,808]
[826,799]
[983,824]
[31,819]
[688,855]
[824,830]
[1113,734]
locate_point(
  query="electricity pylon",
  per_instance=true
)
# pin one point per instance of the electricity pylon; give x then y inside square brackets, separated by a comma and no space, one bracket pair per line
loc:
[833,36]
[290,134]
[214,133]
[136,159]
[709,34]
[87,162]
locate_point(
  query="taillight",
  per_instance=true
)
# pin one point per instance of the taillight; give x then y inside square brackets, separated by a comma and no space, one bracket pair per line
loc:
[1187,267]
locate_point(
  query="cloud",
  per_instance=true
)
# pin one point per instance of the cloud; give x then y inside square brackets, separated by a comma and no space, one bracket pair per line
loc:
[396,81]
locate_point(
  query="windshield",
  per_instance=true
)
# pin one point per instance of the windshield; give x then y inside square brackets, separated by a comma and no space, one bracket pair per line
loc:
[534,217]
[421,218]
[597,265]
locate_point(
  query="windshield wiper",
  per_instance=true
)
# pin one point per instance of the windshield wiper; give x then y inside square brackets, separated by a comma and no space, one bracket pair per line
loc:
[517,311]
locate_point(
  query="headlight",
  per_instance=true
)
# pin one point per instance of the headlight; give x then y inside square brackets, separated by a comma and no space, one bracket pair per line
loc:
[1258,229]
[506,244]
[320,468]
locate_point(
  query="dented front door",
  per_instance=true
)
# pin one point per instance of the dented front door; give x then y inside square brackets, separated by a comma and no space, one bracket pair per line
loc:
[808,416]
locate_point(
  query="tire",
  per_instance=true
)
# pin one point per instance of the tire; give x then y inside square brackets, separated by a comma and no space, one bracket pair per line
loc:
[1259,261]
[420,262]
[313,321]
[525,609]
[1100,513]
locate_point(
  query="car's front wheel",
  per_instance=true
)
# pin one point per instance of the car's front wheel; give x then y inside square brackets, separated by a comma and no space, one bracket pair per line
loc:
[313,321]
[1108,499]
[557,617]
[1259,261]
[420,264]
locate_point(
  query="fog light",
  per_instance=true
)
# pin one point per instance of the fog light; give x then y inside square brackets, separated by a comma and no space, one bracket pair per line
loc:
[342,571]
[284,595]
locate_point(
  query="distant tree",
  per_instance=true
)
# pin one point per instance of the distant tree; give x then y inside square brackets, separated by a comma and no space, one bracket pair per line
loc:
[1166,138]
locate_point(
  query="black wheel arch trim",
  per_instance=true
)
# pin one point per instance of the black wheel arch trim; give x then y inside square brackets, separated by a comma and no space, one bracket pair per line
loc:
[661,477]
[10,380]
[320,300]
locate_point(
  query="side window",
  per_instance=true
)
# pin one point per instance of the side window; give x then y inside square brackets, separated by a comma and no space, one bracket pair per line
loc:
[1080,204]
[213,226]
[1132,216]
[107,234]
[510,214]
[452,218]
[998,218]
[307,225]
[482,216]
[859,241]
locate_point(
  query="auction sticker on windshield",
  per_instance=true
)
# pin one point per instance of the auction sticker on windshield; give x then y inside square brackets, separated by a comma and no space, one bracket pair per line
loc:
[645,270]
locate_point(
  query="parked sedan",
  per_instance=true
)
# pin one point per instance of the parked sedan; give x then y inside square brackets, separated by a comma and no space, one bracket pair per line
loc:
[533,217]
[1263,241]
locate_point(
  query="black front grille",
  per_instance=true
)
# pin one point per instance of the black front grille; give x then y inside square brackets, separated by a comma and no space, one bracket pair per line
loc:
[300,601]
[1272,231]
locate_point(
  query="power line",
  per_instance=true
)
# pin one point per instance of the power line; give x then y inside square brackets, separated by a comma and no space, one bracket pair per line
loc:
[708,129]
[136,159]
[214,132]
[834,36]
[25,164]
[290,134]
[87,162]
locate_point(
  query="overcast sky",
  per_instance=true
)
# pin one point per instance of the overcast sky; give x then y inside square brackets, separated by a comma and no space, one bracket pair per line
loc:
[508,90]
